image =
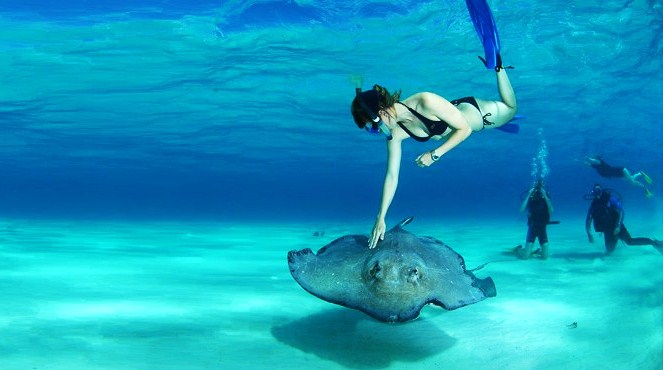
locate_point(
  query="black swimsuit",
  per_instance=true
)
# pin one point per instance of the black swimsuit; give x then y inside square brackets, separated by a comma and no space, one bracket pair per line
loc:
[606,170]
[439,127]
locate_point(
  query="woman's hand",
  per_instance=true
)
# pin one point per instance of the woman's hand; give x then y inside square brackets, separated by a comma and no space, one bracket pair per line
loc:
[377,234]
[426,159]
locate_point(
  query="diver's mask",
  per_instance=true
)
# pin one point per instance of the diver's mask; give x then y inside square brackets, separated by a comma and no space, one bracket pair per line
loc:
[377,125]
[597,191]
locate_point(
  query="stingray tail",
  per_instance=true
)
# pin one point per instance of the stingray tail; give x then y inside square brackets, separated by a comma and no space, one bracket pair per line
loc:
[484,265]
[406,221]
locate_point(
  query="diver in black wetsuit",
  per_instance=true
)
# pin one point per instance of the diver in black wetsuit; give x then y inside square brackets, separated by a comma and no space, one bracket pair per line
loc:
[538,207]
[608,171]
[608,216]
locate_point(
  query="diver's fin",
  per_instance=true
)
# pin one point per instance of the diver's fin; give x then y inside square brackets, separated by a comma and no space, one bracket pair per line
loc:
[511,128]
[646,177]
[517,117]
[484,24]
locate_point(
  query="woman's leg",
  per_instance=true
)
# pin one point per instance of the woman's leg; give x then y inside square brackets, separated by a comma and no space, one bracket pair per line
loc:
[500,112]
[505,89]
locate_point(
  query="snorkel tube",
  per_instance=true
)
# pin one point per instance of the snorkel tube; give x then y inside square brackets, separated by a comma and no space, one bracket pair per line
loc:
[377,121]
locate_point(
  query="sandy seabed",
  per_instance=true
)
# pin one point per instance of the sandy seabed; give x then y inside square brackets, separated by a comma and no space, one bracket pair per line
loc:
[169,295]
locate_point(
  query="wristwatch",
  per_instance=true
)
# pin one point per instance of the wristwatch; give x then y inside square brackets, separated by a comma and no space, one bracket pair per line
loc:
[434,156]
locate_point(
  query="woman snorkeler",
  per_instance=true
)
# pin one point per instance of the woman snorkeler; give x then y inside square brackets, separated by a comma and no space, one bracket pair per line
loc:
[426,115]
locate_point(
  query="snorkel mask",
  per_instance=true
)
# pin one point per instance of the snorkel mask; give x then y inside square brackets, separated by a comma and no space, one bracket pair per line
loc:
[377,125]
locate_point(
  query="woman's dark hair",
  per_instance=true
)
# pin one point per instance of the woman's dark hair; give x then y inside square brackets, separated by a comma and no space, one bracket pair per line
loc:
[384,101]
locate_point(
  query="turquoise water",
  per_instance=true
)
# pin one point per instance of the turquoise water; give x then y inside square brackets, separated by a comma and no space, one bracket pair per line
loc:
[194,295]
[160,158]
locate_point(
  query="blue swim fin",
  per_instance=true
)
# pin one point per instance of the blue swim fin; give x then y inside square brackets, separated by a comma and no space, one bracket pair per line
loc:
[510,127]
[484,24]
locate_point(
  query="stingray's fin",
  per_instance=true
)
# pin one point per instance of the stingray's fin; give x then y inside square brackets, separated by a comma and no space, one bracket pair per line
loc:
[659,247]
[486,285]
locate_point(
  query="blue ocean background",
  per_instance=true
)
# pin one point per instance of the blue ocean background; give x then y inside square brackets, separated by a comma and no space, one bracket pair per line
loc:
[161,157]
[240,109]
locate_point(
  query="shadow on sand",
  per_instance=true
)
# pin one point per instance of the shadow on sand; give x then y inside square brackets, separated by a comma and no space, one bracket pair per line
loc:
[354,340]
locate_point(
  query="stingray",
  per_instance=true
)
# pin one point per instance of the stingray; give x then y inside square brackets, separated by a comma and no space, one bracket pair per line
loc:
[393,281]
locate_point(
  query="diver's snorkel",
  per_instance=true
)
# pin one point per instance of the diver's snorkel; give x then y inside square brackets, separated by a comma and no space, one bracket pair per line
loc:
[378,124]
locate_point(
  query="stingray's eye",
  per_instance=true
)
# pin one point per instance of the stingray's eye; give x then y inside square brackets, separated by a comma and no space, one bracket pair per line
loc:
[374,270]
[414,274]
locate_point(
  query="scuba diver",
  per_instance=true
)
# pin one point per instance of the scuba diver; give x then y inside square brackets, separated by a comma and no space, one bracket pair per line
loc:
[426,115]
[539,208]
[608,216]
[608,171]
